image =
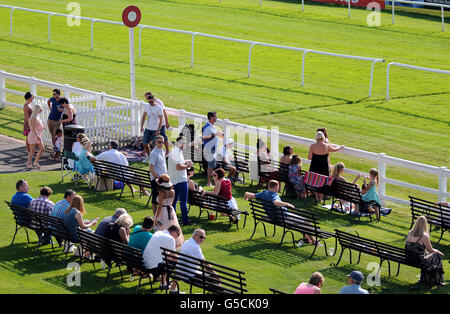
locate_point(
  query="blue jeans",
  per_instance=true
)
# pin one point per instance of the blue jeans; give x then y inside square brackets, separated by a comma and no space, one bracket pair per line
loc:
[149,136]
[181,194]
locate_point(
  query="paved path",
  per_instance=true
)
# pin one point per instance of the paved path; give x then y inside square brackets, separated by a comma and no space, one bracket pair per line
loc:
[13,156]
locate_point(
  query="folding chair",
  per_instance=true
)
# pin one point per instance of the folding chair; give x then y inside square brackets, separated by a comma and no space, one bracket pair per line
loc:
[66,170]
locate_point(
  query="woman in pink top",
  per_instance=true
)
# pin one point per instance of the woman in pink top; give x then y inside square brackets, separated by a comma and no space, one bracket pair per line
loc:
[35,137]
[313,286]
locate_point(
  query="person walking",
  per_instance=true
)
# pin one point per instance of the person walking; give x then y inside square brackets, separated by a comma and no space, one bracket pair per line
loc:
[35,138]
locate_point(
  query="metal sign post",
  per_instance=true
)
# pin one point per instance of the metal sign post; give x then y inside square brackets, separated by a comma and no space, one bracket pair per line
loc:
[131,17]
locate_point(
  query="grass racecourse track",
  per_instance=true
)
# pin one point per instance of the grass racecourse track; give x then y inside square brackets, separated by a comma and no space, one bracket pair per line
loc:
[414,125]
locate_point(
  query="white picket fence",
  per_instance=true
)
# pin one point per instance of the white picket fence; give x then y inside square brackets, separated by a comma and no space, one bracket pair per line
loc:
[107,117]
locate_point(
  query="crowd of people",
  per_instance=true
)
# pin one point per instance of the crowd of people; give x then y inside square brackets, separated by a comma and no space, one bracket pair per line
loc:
[172,179]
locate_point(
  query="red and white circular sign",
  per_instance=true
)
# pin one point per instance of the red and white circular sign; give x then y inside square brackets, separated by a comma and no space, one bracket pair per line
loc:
[131,16]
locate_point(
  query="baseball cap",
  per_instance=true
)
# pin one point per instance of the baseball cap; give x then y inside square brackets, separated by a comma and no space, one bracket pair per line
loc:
[357,276]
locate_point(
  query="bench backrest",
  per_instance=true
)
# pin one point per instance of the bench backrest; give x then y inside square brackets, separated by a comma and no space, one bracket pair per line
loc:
[208,275]
[291,218]
[22,215]
[376,248]
[436,215]
[279,170]
[242,161]
[212,202]
[94,243]
[126,174]
[345,191]
[124,254]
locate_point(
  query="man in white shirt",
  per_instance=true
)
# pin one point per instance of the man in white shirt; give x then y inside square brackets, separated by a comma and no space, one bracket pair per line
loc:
[153,258]
[210,139]
[192,248]
[116,157]
[153,120]
[227,157]
[177,171]
[165,123]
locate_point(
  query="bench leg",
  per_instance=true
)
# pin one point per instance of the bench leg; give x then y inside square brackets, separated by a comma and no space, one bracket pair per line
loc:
[274,230]
[315,248]
[359,258]
[14,236]
[398,270]
[148,201]
[107,275]
[340,257]
[442,233]
[350,252]
[121,192]
[282,238]
[379,269]
[324,246]
[139,285]
[245,221]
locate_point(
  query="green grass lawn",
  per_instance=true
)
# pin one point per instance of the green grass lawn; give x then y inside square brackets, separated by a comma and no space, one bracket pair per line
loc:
[264,262]
[414,125]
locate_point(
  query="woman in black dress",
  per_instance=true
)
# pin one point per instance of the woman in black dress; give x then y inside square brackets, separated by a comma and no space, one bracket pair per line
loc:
[318,154]
[417,242]
[69,115]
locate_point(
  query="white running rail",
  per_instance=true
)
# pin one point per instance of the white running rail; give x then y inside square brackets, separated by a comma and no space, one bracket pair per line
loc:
[408,66]
[106,116]
[195,34]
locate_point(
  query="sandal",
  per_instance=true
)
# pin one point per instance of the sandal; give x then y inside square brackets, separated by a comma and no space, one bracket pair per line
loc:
[37,166]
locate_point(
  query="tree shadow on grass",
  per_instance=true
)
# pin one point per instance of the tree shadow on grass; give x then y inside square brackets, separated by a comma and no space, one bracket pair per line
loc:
[268,251]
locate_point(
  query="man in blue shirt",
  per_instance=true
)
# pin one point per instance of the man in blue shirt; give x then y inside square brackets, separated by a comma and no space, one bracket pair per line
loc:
[61,206]
[22,198]
[54,117]
[355,278]
[271,196]
[209,136]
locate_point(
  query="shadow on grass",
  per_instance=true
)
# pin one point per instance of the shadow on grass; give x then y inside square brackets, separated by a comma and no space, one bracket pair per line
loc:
[93,281]
[265,250]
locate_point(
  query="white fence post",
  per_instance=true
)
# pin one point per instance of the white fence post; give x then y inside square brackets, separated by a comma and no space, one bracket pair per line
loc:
[275,143]
[92,34]
[226,130]
[66,91]
[33,88]
[349,10]
[382,176]
[181,119]
[393,12]
[11,22]
[2,90]
[443,18]
[49,36]
[442,184]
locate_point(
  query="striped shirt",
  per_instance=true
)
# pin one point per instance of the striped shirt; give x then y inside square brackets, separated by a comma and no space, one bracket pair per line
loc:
[59,208]
[42,205]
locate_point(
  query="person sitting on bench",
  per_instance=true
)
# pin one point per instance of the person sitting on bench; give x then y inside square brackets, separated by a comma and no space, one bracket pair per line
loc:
[417,242]
[271,195]
[370,200]
[114,156]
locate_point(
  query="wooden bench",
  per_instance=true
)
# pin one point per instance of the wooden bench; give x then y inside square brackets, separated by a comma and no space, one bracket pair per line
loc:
[209,276]
[22,218]
[290,220]
[384,252]
[125,174]
[276,291]
[29,219]
[436,215]
[340,191]
[241,163]
[215,203]
[111,251]
[274,170]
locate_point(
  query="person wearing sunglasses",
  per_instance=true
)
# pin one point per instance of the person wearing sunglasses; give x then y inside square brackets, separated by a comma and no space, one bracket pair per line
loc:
[192,248]
[157,167]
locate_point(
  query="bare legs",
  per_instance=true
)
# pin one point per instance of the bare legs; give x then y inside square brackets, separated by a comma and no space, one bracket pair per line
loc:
[38,156]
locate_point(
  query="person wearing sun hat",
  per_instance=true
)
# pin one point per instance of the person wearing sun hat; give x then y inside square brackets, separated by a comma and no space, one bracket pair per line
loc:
[165,215]
[355,278]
